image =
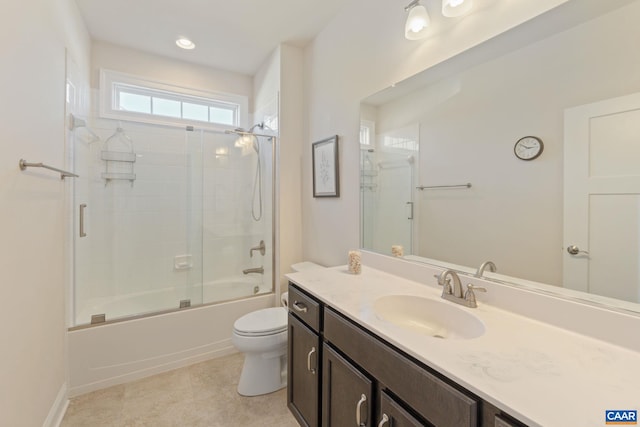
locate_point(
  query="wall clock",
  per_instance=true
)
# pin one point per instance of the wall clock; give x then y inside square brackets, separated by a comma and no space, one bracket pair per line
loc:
[528,148]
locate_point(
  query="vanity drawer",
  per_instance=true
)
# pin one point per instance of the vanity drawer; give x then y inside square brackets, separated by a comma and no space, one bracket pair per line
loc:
[436,400]
[396,415]
[305,307]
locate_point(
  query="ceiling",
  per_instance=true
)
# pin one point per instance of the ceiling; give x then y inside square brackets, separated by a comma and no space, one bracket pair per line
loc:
[234,35]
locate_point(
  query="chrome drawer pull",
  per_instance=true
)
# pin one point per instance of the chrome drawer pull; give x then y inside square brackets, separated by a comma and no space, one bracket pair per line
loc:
[363,399]
[299,306]
[309,368]
[384,421]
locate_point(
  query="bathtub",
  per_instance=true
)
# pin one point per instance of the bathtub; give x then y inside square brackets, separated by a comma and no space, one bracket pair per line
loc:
[114,353]
[142,303]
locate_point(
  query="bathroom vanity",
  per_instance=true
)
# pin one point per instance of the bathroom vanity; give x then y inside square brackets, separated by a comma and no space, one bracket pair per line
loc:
[351,363]
[342,374]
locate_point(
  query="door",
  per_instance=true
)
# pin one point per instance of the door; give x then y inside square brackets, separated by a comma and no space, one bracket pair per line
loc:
[303,390]
[346,393]
[394,204]
[602,198]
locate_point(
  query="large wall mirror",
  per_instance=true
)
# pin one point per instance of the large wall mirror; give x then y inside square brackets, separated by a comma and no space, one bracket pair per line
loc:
[569,78]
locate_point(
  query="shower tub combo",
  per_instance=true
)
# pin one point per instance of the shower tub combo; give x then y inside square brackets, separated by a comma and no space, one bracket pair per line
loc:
[173,241]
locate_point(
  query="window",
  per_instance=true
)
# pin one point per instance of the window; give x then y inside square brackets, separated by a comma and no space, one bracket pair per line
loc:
[367,131]
[401,143]
[133,98]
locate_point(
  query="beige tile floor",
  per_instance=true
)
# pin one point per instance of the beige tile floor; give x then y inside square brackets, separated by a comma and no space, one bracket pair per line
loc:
[201,395]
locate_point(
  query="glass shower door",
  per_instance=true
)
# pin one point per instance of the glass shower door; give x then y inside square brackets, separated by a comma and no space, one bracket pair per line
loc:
[237,217]
[139,248]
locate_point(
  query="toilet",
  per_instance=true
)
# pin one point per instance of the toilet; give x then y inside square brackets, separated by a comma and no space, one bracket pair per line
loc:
[262,336]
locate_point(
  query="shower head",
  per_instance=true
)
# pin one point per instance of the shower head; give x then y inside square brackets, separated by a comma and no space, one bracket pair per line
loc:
[241,131]
[247,137]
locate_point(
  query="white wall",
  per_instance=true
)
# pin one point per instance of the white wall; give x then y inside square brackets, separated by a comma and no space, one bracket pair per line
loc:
[166,70]
[32,266]
[346,63]
[279,99]
[292,131]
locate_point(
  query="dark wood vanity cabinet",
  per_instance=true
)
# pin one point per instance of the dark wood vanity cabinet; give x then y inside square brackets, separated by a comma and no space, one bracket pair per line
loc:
[347,393]
[304,358]
[340,374]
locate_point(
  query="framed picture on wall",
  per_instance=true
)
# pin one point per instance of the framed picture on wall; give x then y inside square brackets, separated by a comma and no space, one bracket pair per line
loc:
[326,181]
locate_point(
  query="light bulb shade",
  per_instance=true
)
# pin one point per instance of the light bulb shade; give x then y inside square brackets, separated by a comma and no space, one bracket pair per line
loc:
[453,8]
[417,23]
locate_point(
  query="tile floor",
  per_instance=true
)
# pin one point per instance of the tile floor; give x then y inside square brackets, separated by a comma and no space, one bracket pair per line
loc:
[201,395]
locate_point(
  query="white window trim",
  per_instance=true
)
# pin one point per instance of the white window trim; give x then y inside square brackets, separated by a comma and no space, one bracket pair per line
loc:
[110,78]
[371,125]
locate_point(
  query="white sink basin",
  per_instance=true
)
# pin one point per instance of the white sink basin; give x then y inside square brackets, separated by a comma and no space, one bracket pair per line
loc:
[438,319]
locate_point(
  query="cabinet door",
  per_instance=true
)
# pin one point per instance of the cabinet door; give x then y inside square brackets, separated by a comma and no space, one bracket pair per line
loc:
[346,393]
[303,373]
[393,415]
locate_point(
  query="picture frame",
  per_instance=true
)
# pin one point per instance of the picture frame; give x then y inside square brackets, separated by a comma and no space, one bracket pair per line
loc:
[326,179]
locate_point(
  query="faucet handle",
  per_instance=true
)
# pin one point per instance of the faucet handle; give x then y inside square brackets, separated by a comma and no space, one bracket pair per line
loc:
[470,296]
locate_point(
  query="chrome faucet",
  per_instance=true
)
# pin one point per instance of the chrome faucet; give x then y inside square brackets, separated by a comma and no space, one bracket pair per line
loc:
[259,270]
[483,266]
[449,291]
[453,291]
[261,247]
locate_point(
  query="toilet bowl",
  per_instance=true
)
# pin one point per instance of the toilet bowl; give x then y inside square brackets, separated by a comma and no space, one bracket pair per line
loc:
[262,337]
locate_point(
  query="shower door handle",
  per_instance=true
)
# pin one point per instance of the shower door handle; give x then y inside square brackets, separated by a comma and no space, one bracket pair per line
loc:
[82,208]
[410,206]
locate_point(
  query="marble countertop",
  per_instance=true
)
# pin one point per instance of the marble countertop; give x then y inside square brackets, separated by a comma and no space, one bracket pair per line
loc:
[541,374]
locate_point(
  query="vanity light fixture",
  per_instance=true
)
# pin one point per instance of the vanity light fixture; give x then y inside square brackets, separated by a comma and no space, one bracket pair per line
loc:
[453,8]
[417,21]
[185,43]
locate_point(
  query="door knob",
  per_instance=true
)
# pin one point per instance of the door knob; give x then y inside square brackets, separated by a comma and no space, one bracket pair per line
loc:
[574,250]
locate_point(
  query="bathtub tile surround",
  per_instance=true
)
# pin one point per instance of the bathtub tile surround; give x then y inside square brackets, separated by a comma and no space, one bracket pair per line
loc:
[198,395]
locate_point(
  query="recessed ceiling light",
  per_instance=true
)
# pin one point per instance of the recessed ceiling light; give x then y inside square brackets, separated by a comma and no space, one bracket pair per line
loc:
[185,43]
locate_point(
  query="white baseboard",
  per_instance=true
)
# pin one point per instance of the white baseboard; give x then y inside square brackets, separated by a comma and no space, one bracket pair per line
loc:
[58,409]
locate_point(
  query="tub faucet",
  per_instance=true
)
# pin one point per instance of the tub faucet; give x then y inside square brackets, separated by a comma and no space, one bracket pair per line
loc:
[490,264]
[259,270]
[261,247]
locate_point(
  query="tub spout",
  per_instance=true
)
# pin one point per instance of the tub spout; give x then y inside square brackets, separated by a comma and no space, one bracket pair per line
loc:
[259,270]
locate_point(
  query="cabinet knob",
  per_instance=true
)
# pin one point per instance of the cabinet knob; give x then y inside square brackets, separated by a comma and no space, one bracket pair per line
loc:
[362,401]
[309,368]
[384,421]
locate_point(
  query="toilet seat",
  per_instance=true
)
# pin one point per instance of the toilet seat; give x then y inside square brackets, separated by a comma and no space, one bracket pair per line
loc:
[268,321]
